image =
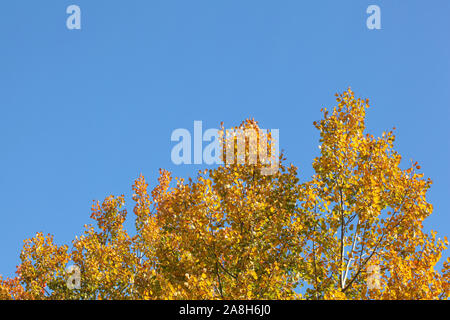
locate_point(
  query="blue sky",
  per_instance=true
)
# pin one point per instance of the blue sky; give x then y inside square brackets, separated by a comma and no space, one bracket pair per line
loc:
[83,112]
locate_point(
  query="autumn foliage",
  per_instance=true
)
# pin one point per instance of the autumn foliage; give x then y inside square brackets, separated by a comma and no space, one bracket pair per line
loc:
[352,231]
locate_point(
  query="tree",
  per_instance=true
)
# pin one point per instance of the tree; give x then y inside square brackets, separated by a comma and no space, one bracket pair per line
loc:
[353,231]
[367,211]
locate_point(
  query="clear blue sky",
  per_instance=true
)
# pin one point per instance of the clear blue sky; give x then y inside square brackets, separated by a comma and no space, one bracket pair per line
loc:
[83,112]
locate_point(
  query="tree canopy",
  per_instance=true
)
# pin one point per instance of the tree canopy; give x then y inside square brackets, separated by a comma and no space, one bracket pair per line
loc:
[354,230]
